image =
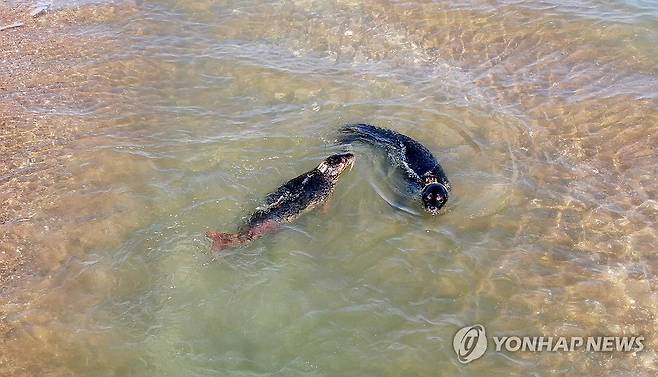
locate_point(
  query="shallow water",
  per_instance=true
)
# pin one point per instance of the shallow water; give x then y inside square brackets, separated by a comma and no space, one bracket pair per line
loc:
[544,115]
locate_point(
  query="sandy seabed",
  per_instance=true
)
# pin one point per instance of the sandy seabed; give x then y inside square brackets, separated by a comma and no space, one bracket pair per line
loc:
[55,95]
[44,73]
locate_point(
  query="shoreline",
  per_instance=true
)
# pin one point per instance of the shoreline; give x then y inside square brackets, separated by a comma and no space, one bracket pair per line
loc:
[42,73]
[35,71]
[41,77]
[24,137]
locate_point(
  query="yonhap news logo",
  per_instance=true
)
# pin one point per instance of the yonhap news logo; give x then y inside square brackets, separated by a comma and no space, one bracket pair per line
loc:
[470,343]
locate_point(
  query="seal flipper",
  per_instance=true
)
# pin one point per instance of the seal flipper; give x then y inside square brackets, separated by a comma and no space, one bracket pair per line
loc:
[221,241]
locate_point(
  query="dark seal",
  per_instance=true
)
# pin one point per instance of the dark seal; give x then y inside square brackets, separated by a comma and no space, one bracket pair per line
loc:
[421,168]
[288,202]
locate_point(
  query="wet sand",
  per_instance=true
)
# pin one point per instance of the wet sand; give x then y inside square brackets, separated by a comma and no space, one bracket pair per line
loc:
[44,78]
[40,76]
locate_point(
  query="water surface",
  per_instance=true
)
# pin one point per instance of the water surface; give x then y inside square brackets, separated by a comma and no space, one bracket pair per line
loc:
[543,114]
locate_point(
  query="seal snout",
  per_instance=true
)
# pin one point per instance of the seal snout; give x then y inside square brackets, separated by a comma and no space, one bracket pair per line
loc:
[336,164]
[434,197]
[350,160]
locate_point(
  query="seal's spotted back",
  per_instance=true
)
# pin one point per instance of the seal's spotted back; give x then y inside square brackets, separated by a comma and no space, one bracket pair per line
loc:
[288,202]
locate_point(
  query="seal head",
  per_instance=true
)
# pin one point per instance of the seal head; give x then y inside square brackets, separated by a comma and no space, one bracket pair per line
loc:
[333,166]
[434,196]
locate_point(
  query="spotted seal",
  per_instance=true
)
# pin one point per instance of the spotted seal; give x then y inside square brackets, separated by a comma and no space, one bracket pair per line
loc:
[288,202]
[421,168]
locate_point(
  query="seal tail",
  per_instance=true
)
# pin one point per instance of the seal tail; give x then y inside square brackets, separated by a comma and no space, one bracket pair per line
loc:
[367,134]
[221,241]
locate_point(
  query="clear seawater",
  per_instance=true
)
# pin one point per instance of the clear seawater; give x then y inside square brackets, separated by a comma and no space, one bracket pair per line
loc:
[544,114]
